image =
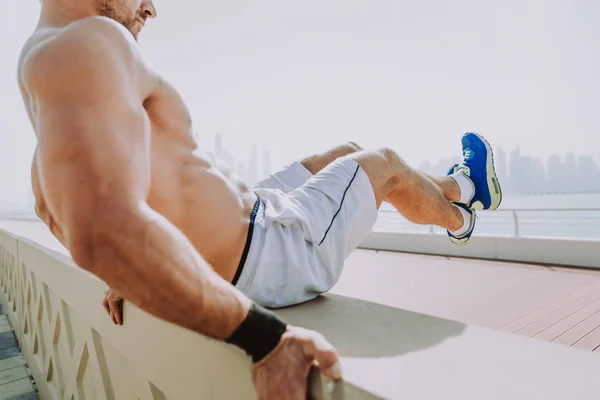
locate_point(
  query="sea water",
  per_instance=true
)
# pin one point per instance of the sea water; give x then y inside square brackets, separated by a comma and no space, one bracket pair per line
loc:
[567,216]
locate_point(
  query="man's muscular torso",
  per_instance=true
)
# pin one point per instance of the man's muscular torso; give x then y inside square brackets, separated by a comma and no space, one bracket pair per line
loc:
[187,186]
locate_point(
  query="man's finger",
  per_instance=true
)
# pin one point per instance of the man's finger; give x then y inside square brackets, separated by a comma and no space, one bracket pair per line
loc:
[119,312]
[105,305]
[115,308]
[114,311]
[325,354]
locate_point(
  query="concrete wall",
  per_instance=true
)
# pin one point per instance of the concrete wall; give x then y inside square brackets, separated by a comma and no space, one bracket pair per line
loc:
[569,252]
[75,352]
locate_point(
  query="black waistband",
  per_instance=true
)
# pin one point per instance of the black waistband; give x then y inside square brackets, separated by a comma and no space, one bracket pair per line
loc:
[240,267]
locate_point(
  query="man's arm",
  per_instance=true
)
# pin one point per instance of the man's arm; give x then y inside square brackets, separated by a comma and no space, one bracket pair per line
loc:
[94,170]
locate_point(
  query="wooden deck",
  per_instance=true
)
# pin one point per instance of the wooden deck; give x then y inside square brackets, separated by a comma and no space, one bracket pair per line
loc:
[555,304]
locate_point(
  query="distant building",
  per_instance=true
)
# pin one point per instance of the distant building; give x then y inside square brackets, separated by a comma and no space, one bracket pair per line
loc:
[538,176]
[221,153]
[515,168]
[266,164]
[588,174]
[555,174]
[570,178]
[501,165]
[252,171]
[253,168]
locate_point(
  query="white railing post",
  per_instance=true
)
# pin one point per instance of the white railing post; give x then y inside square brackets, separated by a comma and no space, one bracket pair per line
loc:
[516,222]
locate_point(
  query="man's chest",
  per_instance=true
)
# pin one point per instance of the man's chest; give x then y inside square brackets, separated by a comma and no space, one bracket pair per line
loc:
[168,113]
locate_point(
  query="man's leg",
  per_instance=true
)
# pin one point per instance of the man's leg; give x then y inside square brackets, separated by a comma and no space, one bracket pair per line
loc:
[418,198]
[335,209]
[317,162]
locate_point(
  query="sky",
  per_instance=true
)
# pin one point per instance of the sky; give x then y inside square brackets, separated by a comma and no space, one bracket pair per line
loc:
[299,77]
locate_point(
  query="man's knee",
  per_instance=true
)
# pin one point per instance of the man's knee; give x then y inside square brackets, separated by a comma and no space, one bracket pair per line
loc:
[390,155]
[354,146]
[393,162]
[346,149]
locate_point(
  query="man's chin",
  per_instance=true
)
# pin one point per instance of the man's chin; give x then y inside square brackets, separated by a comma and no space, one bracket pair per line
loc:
[135,31]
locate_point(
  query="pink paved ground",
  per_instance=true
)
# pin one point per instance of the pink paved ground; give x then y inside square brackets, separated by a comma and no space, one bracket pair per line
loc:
[550,303]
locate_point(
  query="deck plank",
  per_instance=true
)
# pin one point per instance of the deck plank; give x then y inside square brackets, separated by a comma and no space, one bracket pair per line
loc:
[590,341]
[546,299]
[580,330]
[560,314]
[564,325]
[574,300]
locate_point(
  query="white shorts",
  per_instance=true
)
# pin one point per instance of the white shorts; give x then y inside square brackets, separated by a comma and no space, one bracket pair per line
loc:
[305,227]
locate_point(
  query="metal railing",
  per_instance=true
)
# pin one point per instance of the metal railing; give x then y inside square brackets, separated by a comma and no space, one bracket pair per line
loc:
[581,223]
[517,222]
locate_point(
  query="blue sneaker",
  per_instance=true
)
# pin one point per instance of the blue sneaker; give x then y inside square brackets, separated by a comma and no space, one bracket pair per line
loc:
[464,238]
[478,165]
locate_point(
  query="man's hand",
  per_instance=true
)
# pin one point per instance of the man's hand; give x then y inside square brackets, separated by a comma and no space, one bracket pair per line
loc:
[283,373]
[113,304]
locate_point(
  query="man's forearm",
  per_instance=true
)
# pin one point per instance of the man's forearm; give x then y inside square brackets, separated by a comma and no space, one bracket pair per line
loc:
[154,266]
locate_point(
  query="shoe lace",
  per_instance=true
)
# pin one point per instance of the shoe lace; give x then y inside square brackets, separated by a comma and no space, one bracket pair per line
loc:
[463,166]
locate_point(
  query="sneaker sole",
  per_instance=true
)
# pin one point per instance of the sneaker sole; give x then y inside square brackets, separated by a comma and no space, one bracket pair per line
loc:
[462,241]
[492,180]
[459,242]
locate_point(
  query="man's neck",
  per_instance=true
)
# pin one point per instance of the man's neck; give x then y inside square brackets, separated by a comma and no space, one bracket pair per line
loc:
[59,13]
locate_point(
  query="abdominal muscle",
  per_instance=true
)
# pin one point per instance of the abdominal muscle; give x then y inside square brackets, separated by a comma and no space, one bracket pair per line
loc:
[206,202]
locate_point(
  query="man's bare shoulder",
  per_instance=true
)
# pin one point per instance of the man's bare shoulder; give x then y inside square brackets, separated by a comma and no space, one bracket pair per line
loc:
[102,25]
[91,44]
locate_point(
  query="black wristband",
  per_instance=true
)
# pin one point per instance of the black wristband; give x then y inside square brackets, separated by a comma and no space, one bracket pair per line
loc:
[259,333]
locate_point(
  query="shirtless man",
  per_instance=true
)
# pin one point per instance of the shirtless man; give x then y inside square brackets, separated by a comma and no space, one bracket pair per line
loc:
[120,181]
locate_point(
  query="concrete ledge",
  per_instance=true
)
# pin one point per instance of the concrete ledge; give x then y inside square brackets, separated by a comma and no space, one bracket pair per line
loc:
[74,350]
[568,252]
[397,354]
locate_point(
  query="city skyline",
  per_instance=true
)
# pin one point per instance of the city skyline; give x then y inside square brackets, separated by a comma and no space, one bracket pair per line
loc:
[251,172]
[519,174]
[525,175]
